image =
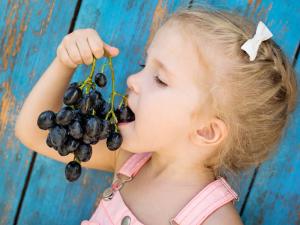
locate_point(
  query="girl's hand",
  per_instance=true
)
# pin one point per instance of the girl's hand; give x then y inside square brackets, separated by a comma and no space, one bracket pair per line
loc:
[79,47]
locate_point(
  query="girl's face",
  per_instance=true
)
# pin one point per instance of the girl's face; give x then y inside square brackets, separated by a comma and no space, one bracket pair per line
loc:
[163,95]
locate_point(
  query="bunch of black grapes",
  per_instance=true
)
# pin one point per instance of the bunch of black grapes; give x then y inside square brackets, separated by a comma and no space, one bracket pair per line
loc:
[82,122]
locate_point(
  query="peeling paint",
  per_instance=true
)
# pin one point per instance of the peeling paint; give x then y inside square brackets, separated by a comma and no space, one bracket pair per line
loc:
[31,74]
[7,103]
[46,21]
[7,208]
[11,39]
[158,15]
[257,3]
[85,180]
[10,142]
[262,13]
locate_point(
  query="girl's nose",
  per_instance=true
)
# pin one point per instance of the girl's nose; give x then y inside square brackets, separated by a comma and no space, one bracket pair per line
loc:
[132,84]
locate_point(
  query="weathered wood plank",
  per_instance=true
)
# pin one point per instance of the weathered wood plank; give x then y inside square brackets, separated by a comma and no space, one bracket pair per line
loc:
[126,24]
[21,33]
[21,26]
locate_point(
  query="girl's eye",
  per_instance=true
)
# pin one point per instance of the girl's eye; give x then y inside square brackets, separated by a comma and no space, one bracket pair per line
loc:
[157,80]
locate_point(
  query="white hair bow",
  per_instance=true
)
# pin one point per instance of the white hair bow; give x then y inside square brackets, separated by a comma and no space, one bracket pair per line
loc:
[251,46]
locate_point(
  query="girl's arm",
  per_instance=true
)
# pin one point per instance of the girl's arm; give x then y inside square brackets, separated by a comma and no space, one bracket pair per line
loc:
[47,94]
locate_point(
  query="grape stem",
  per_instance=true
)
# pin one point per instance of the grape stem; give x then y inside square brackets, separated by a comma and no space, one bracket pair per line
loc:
[88,83]
[113,93]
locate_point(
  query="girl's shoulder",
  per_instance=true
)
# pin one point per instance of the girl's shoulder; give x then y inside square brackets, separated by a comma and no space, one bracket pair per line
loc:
[225,215]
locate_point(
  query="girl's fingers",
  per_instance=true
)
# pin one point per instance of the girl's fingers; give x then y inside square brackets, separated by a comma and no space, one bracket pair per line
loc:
[73,51]
[106,49]
[64,56]
[110,51]
[85,51]
[96,46]
[96,40]
[81,46]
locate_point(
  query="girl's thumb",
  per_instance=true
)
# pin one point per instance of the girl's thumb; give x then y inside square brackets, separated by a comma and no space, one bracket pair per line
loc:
[112,51]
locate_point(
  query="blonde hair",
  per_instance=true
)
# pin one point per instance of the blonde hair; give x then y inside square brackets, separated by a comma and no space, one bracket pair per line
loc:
[254,99]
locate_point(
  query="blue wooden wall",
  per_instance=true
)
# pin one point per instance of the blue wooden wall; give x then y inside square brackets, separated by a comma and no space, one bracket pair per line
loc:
[33,189]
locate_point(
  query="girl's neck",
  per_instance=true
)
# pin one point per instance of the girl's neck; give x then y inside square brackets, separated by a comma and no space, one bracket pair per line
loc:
[178,171]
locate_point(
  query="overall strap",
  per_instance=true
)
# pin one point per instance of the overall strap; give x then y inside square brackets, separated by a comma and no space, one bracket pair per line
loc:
[134,163]
[209,199]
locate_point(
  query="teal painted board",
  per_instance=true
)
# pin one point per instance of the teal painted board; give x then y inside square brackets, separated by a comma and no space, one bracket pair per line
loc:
[274,197]
[21,28]
[126,25]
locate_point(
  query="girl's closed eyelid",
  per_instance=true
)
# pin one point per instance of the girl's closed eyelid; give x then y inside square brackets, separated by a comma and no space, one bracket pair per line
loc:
[157,80]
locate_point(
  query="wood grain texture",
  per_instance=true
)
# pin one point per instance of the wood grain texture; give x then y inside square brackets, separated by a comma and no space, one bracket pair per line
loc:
[22,28]
[33,188]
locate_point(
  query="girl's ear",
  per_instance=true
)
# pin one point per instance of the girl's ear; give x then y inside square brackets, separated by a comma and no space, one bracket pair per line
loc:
[210,134]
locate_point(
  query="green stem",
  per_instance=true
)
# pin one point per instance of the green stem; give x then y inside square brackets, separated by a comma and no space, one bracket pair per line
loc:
[88,82]
[111,111]
[76,159]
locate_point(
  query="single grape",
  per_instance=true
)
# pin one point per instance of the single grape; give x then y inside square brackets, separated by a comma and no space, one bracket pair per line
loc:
[95,95]
[111,127]
[83,152]
[46,120]
[72,171]
[62,150]
[58,135]
[77,115]
[93,126]
[95,140]
[103,110]
[97,99]
[74,84]
[75,129]
[124,114]
[85,104]
[90,140]
[100,79]
[114,141]
[65,116]
[71,144]
[105,129]
[49,141]
[72,95]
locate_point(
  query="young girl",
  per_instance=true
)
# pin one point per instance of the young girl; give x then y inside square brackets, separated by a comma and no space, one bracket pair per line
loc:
[204,106]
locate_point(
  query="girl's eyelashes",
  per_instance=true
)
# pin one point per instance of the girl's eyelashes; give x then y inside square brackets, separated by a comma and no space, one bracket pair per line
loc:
[159,81]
